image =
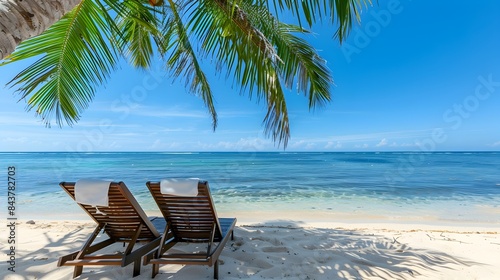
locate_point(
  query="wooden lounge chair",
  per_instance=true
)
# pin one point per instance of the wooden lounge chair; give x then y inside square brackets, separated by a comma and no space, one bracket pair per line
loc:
[189,219]
[123,220]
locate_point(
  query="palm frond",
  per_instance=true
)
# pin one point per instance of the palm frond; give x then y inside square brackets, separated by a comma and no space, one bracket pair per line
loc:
[248,56]
[138,31]
[298,60]
[261,54]
[183,60]
[302,62]
[285,61]
[232,18]
[75,57]
[341,12]
[276,121]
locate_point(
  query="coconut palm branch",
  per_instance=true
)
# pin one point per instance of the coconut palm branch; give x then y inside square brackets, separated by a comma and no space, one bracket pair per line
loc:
[263,55]
[74,59]
[20,20]
[183,60]
[138,31]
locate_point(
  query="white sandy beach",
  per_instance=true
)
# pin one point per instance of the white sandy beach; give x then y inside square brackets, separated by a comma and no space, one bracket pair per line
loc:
[287,249]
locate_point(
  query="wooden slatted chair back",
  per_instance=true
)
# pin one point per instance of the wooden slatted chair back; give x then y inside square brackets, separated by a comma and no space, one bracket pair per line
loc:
[123,215]
[190,218]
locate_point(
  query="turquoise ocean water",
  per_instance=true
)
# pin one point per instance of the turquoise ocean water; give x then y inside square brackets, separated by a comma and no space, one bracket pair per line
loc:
[463,187]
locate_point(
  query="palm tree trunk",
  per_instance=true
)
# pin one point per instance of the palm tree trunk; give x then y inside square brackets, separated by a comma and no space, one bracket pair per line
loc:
[23,19]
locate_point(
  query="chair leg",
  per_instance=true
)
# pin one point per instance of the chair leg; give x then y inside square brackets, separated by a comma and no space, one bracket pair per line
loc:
[155,270]
[87,249]
[137,267]
[77,271]
[216,269]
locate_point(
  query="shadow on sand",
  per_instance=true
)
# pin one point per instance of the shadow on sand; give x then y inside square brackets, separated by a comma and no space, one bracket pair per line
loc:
[288,250]
[272,250]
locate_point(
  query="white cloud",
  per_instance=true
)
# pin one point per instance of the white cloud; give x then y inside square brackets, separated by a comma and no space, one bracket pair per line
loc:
[382,143]
[159,145]
[15,140]
[359,146]
[104,124]
[376,136]
[496,144]
[156,144]
[232,114]
[298,144]
[310,146]
[333,145]
[243,144]
[164,112]
[18,119]
[408,145]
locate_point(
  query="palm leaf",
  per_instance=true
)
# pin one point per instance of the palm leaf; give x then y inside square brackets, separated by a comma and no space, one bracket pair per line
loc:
[234,43]
[74,58]
[183,60]
[138,27]
[263,56]
[298,60]
[302,62]
[341,12]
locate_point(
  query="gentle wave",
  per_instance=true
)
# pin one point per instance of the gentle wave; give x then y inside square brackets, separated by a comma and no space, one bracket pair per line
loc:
[281,179]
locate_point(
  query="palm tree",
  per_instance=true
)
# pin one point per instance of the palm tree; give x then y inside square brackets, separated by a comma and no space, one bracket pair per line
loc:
[263,54]
[21,20]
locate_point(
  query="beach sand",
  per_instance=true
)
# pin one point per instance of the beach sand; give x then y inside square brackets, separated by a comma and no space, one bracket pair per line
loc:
[286,249]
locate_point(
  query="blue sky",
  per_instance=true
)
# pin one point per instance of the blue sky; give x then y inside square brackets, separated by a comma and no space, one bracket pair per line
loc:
[414,76]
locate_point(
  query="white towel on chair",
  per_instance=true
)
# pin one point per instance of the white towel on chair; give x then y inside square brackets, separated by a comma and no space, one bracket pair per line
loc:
[92,192]
[180,187]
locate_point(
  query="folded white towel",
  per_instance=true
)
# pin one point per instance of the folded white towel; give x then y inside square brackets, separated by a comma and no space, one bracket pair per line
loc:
[180,187]
[92,192]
